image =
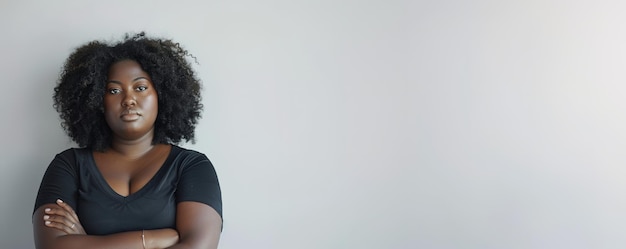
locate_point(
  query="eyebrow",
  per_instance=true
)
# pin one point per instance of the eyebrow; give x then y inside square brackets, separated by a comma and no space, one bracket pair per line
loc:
[136,79]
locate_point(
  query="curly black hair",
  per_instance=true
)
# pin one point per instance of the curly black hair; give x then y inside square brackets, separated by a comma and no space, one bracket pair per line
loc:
[78,96]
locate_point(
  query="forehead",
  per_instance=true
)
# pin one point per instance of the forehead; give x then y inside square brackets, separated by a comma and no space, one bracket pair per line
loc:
[126,69]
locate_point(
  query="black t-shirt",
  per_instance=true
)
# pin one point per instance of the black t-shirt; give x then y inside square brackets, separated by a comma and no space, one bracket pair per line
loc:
[73,177]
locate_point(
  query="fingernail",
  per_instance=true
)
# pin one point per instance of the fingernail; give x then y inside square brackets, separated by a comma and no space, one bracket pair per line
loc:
[45,217]
[59,201]
[47,222]
[47,210]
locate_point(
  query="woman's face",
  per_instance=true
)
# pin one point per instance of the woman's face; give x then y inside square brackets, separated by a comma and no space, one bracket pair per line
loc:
[130,101]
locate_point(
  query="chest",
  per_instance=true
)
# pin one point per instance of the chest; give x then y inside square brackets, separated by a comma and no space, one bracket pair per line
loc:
[127,176]
[103,210]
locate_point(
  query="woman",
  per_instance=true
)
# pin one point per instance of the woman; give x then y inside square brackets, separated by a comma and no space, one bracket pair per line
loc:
[129,186]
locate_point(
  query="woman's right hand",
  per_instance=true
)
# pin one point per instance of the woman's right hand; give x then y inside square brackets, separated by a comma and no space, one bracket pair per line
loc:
[63,218]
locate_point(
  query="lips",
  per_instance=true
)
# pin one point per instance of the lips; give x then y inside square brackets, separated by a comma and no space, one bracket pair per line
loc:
[130,115]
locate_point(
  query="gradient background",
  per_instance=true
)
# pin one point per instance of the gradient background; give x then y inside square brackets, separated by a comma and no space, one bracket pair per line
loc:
[363,124]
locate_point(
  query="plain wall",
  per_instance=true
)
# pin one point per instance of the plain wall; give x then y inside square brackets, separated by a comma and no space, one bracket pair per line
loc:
[363,124]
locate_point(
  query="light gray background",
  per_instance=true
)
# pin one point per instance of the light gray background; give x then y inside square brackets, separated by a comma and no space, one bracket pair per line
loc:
[363,124]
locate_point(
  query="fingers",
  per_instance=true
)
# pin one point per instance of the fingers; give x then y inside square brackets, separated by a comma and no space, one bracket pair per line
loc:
[63,218]
[69,209]
[59,223]
[53,215]
[68,214]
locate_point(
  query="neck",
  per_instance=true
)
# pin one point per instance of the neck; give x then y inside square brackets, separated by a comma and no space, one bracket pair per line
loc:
[132,148]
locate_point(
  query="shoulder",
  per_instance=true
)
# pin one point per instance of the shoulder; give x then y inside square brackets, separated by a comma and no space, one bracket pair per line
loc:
[187,158]
[70,155]
[68,158]
[188,154]
[73,152]
[64,167]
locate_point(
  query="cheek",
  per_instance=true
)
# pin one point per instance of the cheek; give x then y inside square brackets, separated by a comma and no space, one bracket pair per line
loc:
[109,110]
[110,104]
[106,103]
[152,104]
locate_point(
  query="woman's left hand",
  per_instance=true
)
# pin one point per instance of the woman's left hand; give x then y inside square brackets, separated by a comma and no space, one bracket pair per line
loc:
[63,218]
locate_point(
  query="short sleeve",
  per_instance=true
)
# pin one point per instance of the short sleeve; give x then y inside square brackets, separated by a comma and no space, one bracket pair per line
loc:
[198,182]
[60,181]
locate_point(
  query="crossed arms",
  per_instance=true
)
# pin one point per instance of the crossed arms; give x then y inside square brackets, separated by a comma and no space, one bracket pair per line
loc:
[56,226]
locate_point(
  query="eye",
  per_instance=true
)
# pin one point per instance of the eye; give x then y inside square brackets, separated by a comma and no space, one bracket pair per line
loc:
[141,88]
[114,91]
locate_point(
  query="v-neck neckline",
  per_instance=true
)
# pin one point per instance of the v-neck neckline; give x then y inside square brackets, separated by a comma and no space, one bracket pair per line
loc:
[131,196]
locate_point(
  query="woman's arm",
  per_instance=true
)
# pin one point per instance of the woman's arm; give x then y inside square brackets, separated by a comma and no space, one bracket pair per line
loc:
[64,231]
[198,225]
[199,204]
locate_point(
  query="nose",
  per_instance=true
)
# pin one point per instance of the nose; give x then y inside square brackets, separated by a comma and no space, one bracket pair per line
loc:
[129,100]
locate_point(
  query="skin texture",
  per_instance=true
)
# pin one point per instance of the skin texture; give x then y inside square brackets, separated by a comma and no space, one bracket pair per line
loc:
[130,109]
[130,101]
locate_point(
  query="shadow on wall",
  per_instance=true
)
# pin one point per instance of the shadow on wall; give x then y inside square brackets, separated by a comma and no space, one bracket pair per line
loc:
[31,144]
